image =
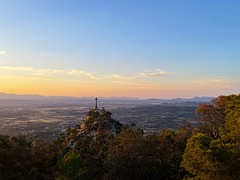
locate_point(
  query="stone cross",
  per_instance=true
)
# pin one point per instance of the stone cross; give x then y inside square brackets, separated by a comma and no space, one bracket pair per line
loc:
[95,107]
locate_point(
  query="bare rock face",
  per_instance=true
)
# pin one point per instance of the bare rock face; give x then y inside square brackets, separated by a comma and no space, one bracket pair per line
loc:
[95,121]
[99,119]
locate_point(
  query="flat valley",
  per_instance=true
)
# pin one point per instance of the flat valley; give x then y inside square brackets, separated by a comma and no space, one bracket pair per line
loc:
[47,117]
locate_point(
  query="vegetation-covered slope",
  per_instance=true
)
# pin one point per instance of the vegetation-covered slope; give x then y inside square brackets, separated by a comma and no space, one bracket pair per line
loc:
[102,148]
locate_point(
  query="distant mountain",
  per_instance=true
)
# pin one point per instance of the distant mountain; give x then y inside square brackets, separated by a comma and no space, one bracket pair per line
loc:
[194,99]
[35,97]
[104,99]
[180,100]
[202,99]
[123,98]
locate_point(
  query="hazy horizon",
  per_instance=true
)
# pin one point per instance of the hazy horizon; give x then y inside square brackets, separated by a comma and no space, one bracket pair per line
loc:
[130,97]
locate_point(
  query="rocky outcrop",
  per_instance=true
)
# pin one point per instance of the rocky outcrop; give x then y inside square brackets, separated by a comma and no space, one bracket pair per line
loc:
[96,120]
[100,119]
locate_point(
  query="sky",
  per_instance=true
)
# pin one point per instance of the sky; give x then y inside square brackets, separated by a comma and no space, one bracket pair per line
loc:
[130,48]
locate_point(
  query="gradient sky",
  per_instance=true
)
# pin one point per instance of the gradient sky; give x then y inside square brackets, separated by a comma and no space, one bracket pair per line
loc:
[135,48]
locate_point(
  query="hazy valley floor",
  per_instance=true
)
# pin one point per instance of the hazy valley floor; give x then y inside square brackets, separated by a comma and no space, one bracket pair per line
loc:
[48,118]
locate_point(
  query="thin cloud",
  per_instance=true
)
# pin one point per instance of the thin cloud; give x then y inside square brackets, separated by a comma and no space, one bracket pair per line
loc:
[131,83]
[38,72]
[137,79]
[92,76]
[146,74]
[213,83]
[76,74]
[2,52]
[16,68]
[125,82]
[51,72]
[118,76]
[152,73]
[79,73]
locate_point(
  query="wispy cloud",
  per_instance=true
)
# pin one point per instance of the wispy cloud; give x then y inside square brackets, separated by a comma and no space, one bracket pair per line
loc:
[81,75]
[92,76]
[138,79]
[213,83]
[152,73]
[2,52]
[75,72]
[132,83]
[51,72]
[146,74]
[117,76]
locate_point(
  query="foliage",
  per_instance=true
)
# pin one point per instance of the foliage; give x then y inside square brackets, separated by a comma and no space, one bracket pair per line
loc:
[22,159]
[231,131]
[212,116]
[134,156]
[71,167]
[219,158]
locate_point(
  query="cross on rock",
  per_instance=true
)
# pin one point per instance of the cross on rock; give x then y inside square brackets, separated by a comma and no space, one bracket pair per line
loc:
[96,99]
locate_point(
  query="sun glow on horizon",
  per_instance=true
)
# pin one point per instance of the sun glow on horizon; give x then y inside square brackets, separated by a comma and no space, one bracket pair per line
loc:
[71,82]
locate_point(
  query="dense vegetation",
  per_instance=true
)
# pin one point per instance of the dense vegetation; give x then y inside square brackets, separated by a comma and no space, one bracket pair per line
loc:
[210,151]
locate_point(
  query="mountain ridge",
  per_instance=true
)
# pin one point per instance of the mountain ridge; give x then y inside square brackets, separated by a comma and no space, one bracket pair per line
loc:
[4,95]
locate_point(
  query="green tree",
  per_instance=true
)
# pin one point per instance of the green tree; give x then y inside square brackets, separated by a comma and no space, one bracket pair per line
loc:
[231,131]
[71,167]
[197,159]
[42,162]
[134,156]
[208,158]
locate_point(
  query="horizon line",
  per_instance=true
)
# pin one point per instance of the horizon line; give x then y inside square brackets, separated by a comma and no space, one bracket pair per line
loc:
[89,97]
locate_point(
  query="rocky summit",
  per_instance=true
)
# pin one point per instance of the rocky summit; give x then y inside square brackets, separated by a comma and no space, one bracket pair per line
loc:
[95,121]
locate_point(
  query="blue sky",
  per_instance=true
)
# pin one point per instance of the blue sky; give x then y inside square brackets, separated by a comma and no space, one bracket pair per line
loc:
[135,48]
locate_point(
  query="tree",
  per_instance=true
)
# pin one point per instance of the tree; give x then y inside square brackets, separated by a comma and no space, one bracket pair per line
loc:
[134,156]
[42,162]
[208,158]
[212,116]
[71,167]
[197,159]
[231,131]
